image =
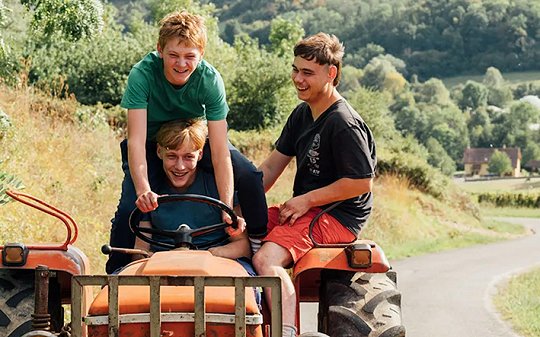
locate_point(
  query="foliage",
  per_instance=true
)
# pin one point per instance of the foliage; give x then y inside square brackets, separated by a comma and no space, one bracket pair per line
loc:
[5,123]
[416,171]
[499,93]
[499,163]
[8,181]
[284,35]
[260,96]
[509,199]
[439,158]
[435,38]
[72,19]
[473,96]
[372,106]
[95,69]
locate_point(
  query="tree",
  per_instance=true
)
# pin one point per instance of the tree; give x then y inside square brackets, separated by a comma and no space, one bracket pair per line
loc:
[284,35]
[72,19]
[474,95]
[260,95]
[439,158]
[433,91]
[499,93]
[499,163]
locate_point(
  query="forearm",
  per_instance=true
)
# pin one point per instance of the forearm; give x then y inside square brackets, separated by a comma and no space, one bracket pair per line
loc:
[238,247]
[342,189]
[224,175]
[221,160]
[138,167]
[137,150]
[273,167]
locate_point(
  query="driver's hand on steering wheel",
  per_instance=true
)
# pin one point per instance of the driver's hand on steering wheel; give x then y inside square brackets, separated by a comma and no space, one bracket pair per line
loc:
[236,231]
[147,201]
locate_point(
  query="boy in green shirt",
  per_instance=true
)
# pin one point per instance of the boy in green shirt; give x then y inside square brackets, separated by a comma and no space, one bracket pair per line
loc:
[172,83]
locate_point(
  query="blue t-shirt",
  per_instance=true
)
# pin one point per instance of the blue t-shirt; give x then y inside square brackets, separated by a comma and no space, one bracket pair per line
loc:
[170,216]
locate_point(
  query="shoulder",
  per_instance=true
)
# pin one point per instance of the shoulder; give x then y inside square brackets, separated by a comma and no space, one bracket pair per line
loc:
[149,62]
[300,113]
[344,115]
[208,71]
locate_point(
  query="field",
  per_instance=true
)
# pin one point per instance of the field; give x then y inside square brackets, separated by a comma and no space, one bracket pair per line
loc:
[514,185]
[523,185]
[513,77]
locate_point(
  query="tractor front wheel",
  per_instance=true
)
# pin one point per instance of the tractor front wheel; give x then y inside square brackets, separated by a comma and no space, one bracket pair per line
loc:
[16,302]
[360,305]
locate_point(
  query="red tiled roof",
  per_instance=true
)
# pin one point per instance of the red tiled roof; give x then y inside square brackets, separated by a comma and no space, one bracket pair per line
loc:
[533,164]
[482,155]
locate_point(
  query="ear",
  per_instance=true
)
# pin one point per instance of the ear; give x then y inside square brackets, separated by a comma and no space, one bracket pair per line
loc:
[200,155]
[158,151]
[160,51]
[332,72]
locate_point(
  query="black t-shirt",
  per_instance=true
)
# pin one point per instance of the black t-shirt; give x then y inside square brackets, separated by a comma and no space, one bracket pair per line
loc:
[337,145]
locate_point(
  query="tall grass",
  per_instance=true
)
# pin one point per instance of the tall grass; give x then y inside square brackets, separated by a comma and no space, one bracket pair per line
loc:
[63,162]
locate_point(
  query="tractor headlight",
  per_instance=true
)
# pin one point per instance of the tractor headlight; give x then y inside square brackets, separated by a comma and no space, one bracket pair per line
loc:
[359,255]
[14,254]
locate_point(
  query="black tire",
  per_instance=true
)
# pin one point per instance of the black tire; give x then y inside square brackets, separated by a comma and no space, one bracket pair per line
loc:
[16,302]
[360,305]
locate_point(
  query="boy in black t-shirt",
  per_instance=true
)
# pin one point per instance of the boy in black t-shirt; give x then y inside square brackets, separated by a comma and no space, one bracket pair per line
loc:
[335,156]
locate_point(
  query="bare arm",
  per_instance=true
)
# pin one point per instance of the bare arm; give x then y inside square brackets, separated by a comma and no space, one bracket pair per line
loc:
[140,244]
[342,189]
[146,199]
[273,167]
[221,160]
[237,247]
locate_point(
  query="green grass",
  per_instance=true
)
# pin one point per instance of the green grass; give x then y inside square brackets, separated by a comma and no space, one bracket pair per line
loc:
[531,184]
[491,211]
[457,236]
[519,302]
[513,77]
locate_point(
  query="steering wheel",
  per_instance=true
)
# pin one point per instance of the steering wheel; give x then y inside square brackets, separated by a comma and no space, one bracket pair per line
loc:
[183,235]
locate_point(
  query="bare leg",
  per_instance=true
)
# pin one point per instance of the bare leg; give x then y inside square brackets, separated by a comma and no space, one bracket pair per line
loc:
[270,260]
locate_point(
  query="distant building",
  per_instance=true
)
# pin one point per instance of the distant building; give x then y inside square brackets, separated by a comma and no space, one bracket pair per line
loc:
[533,165]
[476,160]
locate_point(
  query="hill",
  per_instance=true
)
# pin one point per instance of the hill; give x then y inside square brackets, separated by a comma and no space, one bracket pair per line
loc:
[73,163]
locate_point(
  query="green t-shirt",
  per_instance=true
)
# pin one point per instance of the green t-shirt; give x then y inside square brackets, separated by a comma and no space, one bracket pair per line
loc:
[203,96]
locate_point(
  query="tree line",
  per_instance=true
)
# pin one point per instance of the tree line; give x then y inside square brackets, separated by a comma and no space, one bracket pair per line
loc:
[413,118]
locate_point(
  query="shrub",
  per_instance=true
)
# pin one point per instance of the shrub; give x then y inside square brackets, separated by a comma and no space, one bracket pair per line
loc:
[527,200]
[5,123]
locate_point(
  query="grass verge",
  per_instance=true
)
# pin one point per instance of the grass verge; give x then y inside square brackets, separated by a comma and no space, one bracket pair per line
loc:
[518,302]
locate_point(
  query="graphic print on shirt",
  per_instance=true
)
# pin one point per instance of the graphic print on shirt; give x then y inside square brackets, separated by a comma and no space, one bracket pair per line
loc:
[313,155]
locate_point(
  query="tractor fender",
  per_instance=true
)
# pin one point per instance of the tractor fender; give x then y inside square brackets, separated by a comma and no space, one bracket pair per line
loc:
[307,271]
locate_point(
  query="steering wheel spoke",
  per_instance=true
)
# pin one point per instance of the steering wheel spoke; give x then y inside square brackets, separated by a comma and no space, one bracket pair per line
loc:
[183,235]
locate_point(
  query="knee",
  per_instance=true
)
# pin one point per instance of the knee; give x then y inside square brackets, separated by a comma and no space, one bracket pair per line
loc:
[259,263]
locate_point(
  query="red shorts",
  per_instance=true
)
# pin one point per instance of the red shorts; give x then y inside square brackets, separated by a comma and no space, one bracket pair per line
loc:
[296,238]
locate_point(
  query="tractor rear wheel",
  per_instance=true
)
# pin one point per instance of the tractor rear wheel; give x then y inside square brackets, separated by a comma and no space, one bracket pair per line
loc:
[360,305]
[16,302]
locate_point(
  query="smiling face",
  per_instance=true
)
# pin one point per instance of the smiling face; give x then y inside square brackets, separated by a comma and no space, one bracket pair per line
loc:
[180,165]
[180,60]
[312,81]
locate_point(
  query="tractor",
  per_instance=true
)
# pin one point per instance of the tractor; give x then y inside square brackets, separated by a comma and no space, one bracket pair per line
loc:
[187,292]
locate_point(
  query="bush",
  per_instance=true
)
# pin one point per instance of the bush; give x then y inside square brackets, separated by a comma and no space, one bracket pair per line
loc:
[417,171]
[527,200]
[5,123]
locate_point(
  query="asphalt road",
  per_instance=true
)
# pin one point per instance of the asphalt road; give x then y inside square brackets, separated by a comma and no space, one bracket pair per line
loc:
[449,294]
